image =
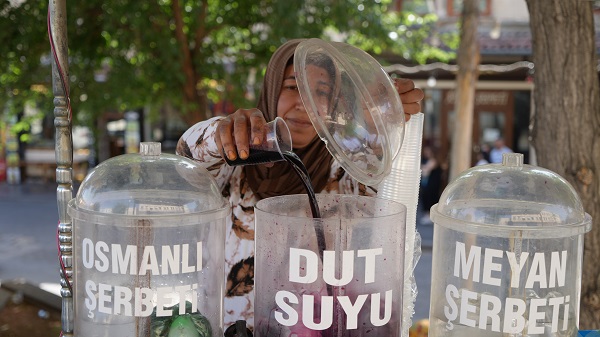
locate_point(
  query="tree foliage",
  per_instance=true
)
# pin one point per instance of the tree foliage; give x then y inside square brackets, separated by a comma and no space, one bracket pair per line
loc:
[126,54]
[24,72]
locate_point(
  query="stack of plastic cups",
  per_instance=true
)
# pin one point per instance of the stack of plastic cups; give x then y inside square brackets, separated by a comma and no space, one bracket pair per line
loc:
[402,185]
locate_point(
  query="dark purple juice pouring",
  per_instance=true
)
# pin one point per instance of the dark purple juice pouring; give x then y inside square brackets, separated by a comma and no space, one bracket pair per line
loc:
[262,156]
[296,163]
[298,166]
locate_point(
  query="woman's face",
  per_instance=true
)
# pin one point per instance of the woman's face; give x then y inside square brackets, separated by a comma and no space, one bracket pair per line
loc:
[291,109]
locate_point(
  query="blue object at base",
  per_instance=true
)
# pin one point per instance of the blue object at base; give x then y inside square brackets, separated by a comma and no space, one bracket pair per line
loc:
[589,333]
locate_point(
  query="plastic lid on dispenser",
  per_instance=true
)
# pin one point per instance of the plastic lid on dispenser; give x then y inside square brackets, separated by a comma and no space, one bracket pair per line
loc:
[499,199]
[149,183]
[353,105]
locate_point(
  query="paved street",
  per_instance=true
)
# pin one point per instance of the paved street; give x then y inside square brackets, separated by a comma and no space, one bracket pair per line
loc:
[423,270]
[28,249]
[28,223]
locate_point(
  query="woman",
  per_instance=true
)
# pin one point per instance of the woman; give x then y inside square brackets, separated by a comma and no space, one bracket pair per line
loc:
[209,141]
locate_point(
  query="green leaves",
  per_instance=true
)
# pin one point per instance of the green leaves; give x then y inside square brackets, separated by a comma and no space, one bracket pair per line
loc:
[124,54]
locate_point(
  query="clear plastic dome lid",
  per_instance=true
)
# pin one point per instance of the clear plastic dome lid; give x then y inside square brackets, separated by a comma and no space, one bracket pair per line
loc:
[353,105]
[495,199]
[149,183]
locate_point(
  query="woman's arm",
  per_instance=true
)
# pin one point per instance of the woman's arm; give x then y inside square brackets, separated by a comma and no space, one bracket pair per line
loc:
[198,143]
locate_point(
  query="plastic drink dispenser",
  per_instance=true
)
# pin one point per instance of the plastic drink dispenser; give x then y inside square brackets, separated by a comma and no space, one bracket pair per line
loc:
[148,237]
[349,284]
[507,253]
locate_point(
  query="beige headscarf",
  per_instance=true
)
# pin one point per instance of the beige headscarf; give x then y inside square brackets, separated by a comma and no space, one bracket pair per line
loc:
[281,178]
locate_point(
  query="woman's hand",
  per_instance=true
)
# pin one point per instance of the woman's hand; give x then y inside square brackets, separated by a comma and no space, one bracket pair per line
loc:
[409,95]
[235,132]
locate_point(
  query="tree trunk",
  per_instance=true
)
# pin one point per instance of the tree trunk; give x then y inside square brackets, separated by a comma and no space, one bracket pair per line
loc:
[194,101]
[567,119]
[195,108]
[468,61]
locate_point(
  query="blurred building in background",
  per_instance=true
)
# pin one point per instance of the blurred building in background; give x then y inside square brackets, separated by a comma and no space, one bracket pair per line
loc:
[506,77]
[503,97]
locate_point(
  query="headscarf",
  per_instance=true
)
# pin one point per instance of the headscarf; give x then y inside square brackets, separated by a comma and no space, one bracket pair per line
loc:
[280,179]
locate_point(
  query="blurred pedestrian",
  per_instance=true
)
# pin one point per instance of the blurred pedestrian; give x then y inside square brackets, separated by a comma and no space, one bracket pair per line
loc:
[481,159]
[485,151]
[498,150]
[431,180]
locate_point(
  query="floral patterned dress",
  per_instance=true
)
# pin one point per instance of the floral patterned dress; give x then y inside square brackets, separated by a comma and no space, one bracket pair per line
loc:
[198,143]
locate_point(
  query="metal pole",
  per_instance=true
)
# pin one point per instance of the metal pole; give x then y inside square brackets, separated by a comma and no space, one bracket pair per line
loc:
[64,155]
